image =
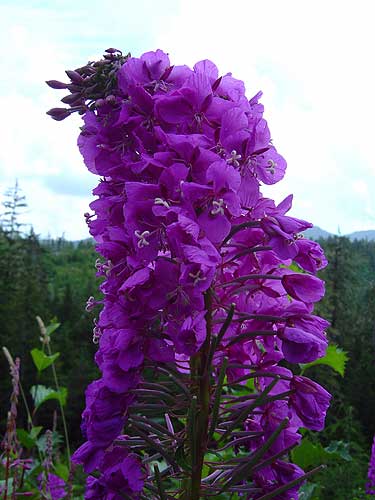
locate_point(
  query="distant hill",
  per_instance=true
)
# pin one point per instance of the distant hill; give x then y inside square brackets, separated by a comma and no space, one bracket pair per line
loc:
[362,235]
[316,233]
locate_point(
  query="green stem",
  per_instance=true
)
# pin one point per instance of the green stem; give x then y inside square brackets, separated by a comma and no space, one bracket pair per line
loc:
[200,377]
[61,407]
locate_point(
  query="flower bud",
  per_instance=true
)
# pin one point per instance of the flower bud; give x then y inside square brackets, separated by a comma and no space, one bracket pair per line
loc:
[55,84]
[74,76]
[58,113]
[72,98]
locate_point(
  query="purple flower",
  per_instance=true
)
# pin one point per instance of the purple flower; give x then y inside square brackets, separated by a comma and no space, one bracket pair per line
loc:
[54,486]
[301,346]
[191,334]
[310,255]
[310,402]
[303,287]
[278,474]
[121,475]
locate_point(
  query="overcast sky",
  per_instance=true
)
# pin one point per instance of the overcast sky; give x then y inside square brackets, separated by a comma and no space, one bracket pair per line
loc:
[314,62]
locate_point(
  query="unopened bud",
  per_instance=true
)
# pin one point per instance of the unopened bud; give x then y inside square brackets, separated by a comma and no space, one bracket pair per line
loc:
[111,50]
[58,113]
[54,84]
[71,98]
[74,76]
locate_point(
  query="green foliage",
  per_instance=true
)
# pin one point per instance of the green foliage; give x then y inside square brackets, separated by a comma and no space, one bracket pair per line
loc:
[41,394]
[335,357]
[41,360]
[52,328]
[309,454]
[54,278]
[29,439]
[51,279]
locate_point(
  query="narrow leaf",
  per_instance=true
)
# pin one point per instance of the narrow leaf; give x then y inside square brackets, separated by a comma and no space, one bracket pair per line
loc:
[218,392]
[159,483]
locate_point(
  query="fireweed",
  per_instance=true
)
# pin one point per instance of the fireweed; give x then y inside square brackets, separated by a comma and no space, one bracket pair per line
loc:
[208,288]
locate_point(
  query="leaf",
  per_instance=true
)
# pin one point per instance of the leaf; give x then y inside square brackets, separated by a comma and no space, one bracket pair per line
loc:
[306,492]
[51,328]
[340,449]
[293,267]
[62,471]
[182,459]
[336,358]
[35,431]
[308,454]
[41,360]
[41,394]
[28,439]
[25,439]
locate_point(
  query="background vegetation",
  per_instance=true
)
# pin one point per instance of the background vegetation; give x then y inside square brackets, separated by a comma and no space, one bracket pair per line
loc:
[54,278]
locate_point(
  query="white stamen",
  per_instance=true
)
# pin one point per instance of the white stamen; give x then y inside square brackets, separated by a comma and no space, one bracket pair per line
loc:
[271,166]
[218,207]
[160,201]
[233,159]
[142,238]
[196,277]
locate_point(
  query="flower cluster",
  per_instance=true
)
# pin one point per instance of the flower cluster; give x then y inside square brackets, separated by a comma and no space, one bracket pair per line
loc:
[51,486]
[179,215]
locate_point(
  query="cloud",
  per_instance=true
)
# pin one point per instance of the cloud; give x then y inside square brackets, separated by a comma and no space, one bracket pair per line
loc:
[312,61]
[44,39]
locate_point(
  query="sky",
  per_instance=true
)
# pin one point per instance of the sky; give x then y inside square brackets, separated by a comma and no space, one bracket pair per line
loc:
[313,61]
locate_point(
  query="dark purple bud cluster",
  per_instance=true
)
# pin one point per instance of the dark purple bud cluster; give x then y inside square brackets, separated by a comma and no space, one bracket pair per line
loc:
[88,84]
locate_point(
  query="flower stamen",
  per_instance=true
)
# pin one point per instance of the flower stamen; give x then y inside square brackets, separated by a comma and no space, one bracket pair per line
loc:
[218,207]
[160,201]
[142,238]
[233,159]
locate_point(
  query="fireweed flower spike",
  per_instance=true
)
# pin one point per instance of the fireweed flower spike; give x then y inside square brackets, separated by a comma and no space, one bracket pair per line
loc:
[198,296]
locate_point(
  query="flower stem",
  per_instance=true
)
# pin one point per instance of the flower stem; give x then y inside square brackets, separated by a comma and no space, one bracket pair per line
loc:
[61,407]
[200,375]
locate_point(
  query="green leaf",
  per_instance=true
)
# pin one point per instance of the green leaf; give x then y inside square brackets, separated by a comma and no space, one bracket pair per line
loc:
[28,439]
[307,491]
[41,360]
[308,454]
[52,327]
[35,431]
[41,394]
[25,439]
[62,471]
[182,459]
[340,449]
[336,358]
[293,267]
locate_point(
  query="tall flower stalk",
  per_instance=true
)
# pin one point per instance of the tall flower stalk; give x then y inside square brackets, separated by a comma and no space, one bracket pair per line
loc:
[208,288]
